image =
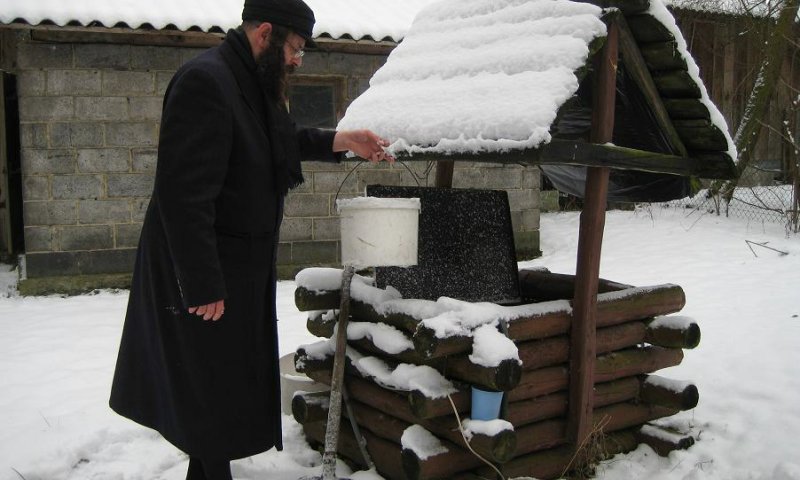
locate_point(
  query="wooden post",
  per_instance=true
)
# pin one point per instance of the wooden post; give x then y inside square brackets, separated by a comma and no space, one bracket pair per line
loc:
[444,173]
[590,239]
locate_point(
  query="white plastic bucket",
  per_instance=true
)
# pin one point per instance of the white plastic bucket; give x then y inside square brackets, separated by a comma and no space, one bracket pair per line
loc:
[379,232]
[292,381]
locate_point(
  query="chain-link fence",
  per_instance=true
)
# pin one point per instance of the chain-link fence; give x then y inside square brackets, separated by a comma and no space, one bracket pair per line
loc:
[772,203]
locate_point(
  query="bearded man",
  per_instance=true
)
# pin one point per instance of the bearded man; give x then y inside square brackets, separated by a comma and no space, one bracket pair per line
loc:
[198,360]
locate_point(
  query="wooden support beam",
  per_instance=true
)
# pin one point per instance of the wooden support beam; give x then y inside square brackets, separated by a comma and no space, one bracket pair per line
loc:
[590,239]
[444,174]
[639,70]
[562,152]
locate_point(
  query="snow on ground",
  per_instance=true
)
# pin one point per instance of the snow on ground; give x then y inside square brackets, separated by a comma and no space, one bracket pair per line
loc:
[58,356]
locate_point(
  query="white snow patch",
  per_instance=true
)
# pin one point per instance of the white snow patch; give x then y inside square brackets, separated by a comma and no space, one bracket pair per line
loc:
[421,442]
[490,347]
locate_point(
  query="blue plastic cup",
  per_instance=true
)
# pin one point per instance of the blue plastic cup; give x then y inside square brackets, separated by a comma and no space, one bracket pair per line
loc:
[486,405]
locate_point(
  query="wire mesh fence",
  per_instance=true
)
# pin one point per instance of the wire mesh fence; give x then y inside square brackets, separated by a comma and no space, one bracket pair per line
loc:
[765,204]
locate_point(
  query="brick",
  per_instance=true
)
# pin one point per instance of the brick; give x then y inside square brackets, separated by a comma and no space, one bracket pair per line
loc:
[70,134]
[50,213]
[134,134]
[73,82]
[35,187]
[523,199]
[155,58]
[306,187]
[327,228]
[101,108]
[128,83]
[48,161]
[532,178]
[45,108]
[331,182]
[139,208]
[488,178]
[97,160]
[119,260]
[530,220]
[104,211]
[77,186]
[296,229]
[326,166]
[31,83]
[189,53]
[377,177]
[127,235]
[527,245]
[144,160]
[130,185]
[145,108]
[33,135]
[86,134]
[307,205]
[284,256]
[89,237]
[44,56]
[102,56]
[51,264]
[162,82]
[58,135]
[314,253]
[80,262]
[38,239]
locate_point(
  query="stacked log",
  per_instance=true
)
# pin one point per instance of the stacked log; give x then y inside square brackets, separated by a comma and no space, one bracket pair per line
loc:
[633,341]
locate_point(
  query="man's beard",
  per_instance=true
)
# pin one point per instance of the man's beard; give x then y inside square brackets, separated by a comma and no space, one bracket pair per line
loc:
[273,72]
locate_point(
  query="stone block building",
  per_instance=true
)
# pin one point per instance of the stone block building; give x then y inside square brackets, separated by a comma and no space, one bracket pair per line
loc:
[80,121]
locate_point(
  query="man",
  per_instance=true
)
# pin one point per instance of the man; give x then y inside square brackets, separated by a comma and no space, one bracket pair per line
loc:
[198,359]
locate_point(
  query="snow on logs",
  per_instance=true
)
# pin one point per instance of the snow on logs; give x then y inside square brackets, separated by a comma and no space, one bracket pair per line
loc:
[411,363]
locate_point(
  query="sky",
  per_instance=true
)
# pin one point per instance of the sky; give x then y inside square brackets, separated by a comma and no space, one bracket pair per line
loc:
[58,356]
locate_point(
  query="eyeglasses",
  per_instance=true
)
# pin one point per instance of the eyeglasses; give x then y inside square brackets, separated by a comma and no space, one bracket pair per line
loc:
[298,52]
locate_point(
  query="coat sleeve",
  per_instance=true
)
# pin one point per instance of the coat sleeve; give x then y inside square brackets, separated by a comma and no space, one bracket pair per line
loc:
[316,144]
[193,153]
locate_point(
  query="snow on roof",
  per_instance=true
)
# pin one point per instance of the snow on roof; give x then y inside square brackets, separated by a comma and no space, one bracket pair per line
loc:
[489,75]
[479,75]
[376,19]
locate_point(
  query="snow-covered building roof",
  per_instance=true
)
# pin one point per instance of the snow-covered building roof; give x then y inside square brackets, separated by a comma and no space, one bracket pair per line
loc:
[357,19]
[491,77]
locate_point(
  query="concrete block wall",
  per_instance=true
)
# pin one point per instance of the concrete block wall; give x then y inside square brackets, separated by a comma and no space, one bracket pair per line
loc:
[89,122]
[89,119]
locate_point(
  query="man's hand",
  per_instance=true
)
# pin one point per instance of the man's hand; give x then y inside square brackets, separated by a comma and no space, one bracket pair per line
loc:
[363,143]
[212,311]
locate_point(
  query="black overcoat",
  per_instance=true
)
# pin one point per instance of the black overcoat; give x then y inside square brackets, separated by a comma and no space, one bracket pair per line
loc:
[211,232]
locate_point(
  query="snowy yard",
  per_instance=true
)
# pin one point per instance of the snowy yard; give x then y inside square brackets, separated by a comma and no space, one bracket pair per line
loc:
[58,356]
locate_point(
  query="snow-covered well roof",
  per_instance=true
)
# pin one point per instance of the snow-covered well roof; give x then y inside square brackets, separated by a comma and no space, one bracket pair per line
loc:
[478,75]
[375,19]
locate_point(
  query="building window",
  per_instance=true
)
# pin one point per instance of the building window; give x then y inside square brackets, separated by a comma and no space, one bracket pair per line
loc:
[316,101]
